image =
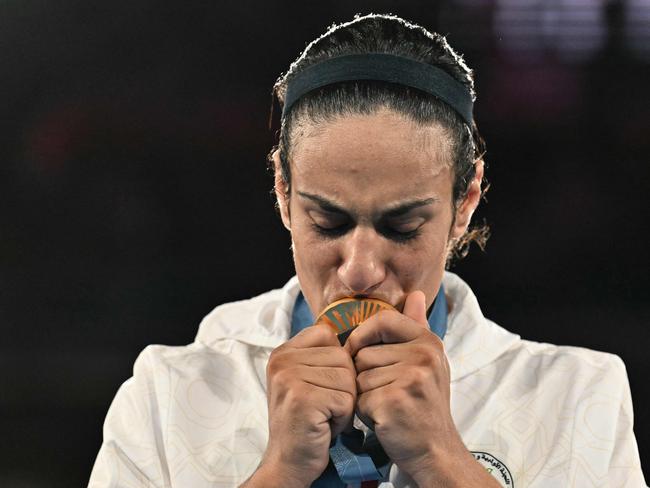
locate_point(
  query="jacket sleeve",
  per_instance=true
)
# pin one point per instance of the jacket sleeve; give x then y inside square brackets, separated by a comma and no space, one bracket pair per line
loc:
[132,453]
[605,452]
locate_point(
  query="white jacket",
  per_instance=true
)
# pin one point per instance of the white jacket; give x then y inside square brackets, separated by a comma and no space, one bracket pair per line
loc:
[535,415]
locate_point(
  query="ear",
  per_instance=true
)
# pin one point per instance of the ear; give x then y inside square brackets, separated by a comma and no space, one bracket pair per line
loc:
[466,209]
[281,190]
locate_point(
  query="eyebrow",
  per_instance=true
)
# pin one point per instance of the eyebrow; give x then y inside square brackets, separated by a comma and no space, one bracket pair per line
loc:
[394,211]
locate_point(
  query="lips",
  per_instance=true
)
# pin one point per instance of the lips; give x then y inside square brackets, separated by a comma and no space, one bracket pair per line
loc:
[373,296]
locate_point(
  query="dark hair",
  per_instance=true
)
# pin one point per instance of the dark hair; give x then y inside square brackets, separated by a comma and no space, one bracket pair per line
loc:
[391,35]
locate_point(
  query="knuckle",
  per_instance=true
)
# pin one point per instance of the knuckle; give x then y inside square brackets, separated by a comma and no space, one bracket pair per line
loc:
[382,428]
[392,400]
[284,376]
[363,380]
[361,354]
[343,399]
[277,362]
[362,357]
[363,376]
[436,355]
[271,367]
[419,376]
[312,417]
[427,354]
[349,402]
[425,357]
[323,335]
[440,362]
[436,343]
[337,397]
[290,395]
[296,396]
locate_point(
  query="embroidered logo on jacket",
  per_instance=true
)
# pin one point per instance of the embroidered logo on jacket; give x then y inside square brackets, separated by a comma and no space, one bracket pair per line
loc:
[495,467]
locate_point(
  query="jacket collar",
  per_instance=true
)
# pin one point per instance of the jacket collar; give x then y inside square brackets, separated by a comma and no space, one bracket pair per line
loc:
[471,341]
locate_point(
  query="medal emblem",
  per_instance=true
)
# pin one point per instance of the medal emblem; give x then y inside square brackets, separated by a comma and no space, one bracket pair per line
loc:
[343,316]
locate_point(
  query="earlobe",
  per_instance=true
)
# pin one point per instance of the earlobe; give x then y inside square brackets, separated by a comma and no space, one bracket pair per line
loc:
[281,193]
[467,207]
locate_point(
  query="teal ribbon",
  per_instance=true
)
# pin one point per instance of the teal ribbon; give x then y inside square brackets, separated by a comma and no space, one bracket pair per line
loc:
[355,456]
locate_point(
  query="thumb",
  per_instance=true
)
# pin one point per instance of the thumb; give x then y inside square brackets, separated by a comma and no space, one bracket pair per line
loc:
[415,307]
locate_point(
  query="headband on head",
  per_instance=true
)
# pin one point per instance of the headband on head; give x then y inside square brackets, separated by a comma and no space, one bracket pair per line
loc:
[382,67]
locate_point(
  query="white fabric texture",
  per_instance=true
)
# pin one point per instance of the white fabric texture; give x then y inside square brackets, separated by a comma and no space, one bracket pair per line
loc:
[196,416]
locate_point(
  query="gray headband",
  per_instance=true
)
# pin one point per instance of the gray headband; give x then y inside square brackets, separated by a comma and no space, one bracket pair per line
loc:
[382,67]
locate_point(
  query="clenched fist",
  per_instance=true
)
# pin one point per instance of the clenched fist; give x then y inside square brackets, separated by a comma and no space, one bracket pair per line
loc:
[403,384]
[311,383]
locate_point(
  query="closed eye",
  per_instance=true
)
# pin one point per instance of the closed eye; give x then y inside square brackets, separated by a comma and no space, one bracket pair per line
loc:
[400,236]
[327,231]
[389,233]
[402,229]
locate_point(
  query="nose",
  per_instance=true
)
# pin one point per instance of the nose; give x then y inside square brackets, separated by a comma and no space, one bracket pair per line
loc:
[363,266]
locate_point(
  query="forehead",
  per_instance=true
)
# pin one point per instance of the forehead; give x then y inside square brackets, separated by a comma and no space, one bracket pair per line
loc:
[380,156]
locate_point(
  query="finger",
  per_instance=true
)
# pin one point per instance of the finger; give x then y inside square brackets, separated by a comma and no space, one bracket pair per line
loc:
[378,356]
[384,327]
[426,352]
[340,379]
[369,405]
[415,307]
[337,406]
[286,362]
[333,356]
[376,378]
[317,335]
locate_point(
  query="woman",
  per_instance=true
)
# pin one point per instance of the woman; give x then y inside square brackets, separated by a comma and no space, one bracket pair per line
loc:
[378,171]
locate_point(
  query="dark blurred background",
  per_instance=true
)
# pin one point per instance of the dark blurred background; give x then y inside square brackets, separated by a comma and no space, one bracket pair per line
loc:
[134,195]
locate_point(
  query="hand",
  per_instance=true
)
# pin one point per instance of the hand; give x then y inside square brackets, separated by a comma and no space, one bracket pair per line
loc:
[311,393]
[403,386]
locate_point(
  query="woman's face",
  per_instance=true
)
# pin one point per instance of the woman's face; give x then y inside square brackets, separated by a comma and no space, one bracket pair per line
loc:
[370,208]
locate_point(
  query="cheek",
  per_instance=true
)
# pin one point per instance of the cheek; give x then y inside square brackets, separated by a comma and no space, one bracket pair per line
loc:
[312,255]
[421,266]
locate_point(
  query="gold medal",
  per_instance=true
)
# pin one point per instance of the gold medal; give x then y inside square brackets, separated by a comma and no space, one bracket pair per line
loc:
[342,316]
